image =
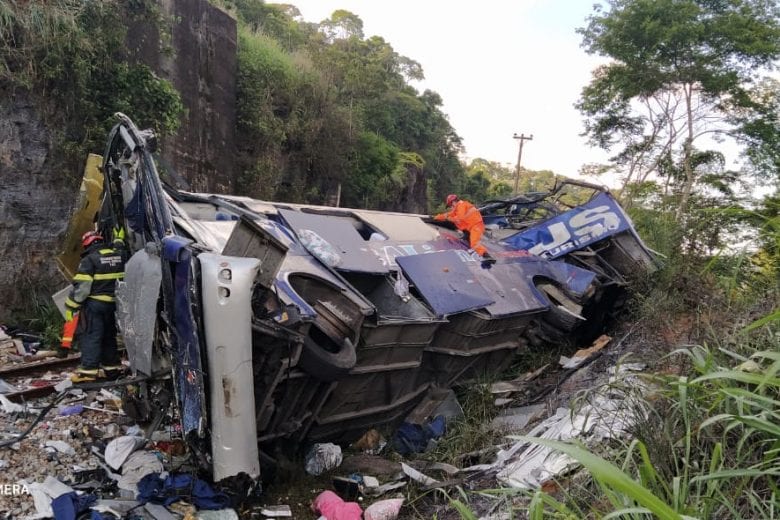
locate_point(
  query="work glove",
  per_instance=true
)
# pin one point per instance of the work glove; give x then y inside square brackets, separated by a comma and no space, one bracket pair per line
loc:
[69,313]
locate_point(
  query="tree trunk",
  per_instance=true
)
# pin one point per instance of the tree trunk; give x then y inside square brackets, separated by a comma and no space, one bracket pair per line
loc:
[687,152]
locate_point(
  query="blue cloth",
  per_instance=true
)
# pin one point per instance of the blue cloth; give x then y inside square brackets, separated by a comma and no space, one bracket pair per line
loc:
[67,506]
[152,488]
[413,438]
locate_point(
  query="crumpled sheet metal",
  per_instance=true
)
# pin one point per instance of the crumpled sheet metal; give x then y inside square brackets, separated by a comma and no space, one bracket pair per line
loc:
[137,308]
[605,417]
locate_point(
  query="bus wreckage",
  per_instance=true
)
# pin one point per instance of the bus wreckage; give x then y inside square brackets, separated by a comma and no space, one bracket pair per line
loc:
[263,322]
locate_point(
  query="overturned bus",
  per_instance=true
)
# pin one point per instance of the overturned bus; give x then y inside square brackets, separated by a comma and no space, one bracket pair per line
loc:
[263,322]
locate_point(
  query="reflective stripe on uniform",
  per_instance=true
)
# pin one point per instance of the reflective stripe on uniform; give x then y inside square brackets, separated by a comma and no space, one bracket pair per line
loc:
[70,303]
[109,276]
[102,298]
[80,277]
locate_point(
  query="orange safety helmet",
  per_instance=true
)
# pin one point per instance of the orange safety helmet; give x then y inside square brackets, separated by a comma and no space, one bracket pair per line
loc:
[451,198]
[89,238]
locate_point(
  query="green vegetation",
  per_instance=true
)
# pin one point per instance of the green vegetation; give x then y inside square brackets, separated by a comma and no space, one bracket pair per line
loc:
[684,74]
[70,56]
[706,443]
[327,113]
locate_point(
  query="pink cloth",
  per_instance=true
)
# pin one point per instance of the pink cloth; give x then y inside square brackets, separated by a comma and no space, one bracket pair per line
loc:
[332,507]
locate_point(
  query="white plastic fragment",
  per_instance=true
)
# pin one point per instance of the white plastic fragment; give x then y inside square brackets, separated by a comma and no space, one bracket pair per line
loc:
[61,446]
[368,481]
[63,385]
[384,488]
[281,511]
[10,407]
[603,418]
[418,477]
[7,388]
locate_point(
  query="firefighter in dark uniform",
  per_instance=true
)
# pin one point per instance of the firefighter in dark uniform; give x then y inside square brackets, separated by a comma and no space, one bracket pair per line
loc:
[92,296]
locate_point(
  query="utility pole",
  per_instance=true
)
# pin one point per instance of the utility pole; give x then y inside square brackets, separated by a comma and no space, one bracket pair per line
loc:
[522,138]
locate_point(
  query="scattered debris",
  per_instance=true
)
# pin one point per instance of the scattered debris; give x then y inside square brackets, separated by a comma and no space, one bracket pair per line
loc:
[61,447]
[6,388]
[281,511]
[119,449]
[416,438]
[608,414]
[332,507]
[371,442]
[583,355]
[419,477]
[384,509]
[515,419]
[9,407]
[322,457]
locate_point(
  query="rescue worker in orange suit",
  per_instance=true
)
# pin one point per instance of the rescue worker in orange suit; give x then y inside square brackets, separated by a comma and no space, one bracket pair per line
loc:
[468,219]
[93,297]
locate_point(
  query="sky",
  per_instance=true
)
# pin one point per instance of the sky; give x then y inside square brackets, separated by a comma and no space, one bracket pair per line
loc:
[501,66]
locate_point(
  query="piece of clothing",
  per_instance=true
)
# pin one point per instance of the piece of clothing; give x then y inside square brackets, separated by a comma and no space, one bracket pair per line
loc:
[468,219]
[153,488]
[332,507]
[474,236]
[413,438]
[70,505]
[99,269]
[98,341]
[93,295]
[69,332]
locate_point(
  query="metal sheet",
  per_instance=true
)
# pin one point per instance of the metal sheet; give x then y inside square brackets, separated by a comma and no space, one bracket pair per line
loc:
[399,227]
[445,282]
[213,234]
[340,233]
[595,220]
[136,298]
[511,288]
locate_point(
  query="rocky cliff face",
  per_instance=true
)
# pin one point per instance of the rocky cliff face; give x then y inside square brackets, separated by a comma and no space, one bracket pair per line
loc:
[37,197]
[202,66]
[36,200]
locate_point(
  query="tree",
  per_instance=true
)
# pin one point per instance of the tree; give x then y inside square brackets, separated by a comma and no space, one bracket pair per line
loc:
[681,70]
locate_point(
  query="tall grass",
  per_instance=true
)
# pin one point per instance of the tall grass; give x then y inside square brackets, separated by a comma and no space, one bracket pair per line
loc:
[708,449]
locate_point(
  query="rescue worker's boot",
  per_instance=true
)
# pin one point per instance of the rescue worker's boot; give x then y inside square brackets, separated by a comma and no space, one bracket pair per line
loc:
[114,370]
[86,375]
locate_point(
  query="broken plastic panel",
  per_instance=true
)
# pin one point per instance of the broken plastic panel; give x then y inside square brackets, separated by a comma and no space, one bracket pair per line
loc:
[136,298]
[227,321]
